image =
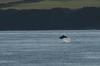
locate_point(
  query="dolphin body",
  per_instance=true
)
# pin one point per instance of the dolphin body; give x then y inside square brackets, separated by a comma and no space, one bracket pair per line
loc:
[65,38]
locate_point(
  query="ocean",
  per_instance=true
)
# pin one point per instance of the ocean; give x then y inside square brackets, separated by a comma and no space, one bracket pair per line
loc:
[44,48]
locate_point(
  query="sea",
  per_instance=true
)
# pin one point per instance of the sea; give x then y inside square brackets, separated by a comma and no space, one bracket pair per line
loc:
[44,48]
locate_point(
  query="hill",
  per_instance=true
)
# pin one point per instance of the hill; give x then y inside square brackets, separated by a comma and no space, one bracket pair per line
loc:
[48,4]
[6,1]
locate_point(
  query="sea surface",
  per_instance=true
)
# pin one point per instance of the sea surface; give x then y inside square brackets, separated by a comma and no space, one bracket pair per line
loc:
[44,48]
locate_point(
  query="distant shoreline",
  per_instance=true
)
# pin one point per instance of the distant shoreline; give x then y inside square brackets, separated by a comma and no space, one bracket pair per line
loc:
[57,30]
[48,4]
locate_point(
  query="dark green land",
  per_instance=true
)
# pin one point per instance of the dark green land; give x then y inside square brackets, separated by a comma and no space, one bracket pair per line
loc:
[48,4]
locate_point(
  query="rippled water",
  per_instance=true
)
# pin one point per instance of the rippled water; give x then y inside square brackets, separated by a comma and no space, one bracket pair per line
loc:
[44,48]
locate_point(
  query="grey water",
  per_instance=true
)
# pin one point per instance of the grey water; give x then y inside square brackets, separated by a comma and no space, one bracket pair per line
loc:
[44,48]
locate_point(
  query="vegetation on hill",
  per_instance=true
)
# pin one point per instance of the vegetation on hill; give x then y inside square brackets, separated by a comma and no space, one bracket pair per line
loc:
[6,1]
[47,4]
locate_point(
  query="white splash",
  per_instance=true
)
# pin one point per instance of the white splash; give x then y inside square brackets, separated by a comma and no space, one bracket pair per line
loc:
[67,40]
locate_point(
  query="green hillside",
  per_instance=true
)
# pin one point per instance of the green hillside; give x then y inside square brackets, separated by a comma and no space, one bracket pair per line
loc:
[6,1]
[47,4]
